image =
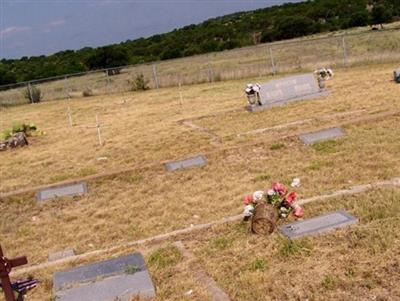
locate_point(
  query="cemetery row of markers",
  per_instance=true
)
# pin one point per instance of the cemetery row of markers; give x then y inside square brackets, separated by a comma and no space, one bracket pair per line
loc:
[126,277]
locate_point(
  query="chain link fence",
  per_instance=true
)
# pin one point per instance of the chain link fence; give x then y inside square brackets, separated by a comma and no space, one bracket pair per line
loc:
[254,61]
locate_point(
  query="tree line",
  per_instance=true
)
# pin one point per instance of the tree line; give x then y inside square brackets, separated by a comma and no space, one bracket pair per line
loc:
[227,32]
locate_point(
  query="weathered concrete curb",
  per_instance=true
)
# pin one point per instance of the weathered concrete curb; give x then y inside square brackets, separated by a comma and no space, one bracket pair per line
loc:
[215,292]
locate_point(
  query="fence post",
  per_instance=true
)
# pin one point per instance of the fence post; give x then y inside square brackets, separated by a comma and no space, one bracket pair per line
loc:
[210,73]
[30,92]
[98,130]
[108,82]
[180,94]
[155,76]
[66,87]
[345,59]
[272,61]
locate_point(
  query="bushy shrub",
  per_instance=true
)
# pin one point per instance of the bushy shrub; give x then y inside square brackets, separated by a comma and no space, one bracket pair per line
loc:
[17,128]
[140,83]
[33,94]
[87,92]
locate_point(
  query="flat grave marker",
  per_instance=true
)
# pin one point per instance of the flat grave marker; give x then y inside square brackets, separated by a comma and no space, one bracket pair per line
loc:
[186,163]
[325,134]
[60,191]
[288,89]
[121,278]
[319,224]
[61,254]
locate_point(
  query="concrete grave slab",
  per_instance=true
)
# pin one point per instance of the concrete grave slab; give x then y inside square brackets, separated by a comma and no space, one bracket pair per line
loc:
[319,224]
[325,134]
[60,191]
[122,278]
[186,163]
[288,89]
[60,255]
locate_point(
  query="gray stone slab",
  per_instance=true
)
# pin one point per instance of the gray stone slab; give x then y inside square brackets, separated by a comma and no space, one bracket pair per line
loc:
[319,224]
[60,191]
[288,87]
[91,272]
[120,287]
[60,255]
[186,163]
[256,108]
[325,134]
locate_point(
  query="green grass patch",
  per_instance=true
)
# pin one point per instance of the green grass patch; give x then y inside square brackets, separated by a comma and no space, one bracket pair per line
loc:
[327,146]
[258,265]
[301,247]
[221,243]
[277,146]
[330,282]
[165,257]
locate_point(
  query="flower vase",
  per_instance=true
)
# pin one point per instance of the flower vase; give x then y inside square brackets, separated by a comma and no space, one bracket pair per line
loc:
[264,219]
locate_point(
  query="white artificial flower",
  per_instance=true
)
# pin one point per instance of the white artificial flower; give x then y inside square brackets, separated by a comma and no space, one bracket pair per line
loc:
[248,210]
[271,192]
[295,182]
[258,195]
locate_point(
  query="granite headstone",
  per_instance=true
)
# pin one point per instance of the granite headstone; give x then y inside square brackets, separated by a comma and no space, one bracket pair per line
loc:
[325,134]
[186,163]
[288,89]
[60,191]
[121,278]
[319,224]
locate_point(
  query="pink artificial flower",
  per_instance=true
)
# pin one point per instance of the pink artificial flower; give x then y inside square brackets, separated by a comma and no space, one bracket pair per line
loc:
[279,188]
[298,211]
[291,198]
[248,199]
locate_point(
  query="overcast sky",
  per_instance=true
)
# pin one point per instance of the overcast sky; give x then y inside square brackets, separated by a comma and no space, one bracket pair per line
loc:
[36,27]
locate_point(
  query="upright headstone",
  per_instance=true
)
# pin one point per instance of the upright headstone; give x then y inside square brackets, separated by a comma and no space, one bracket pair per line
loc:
[186,163]
[60,191]
[121,279]
[325,134]
[319,224]
[397,76]
[288,89]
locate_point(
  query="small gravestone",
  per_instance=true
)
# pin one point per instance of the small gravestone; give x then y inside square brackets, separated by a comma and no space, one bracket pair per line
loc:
[62,254]
[322,135]
[60,191]
[318,224]
[186,163]
[396,74]
[286,90]
[121,279]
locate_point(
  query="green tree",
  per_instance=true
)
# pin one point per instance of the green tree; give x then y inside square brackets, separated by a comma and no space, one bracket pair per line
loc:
[381,14]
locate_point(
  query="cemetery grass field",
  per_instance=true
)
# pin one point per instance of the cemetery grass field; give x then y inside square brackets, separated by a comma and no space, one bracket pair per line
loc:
[143,130]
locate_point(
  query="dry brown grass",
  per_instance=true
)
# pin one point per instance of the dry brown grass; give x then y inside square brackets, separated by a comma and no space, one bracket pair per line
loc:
[356,263]
[146,129]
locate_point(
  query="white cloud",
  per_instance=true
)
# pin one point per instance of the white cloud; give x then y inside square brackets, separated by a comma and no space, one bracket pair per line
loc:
[13,30]
[56,23]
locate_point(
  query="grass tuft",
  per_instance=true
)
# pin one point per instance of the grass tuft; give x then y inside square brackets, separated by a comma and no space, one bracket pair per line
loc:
[165,257]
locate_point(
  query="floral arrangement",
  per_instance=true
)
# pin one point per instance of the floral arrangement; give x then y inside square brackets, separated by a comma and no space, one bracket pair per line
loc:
[324,74]
[253,93]
[277,196]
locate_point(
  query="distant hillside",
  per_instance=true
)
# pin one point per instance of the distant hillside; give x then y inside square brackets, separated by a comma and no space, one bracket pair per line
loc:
[231,31]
